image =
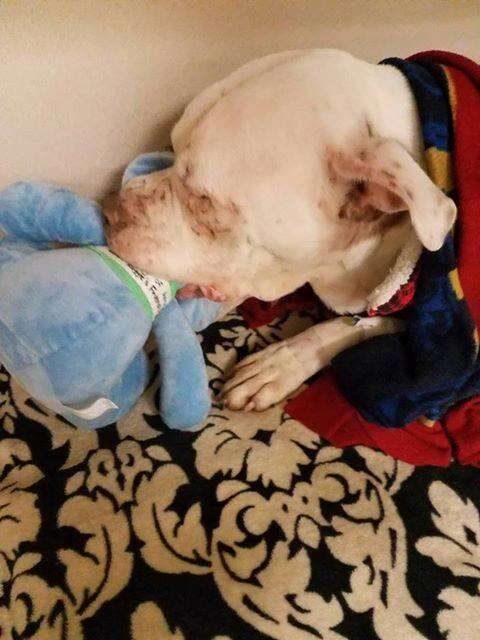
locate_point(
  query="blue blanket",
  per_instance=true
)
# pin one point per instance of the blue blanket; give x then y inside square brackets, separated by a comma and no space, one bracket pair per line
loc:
[394,379]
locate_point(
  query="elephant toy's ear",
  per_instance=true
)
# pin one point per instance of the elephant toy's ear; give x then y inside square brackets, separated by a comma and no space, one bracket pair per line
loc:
[148,163]
[42,212]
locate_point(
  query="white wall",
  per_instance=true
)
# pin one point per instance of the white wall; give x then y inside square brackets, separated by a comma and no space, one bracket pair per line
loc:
[85,85]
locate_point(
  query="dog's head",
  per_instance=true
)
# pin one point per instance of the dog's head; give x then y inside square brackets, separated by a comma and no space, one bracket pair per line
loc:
[267,187]
[221,215]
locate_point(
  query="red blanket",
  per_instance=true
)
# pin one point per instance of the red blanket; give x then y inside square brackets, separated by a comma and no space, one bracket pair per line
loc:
[322,407]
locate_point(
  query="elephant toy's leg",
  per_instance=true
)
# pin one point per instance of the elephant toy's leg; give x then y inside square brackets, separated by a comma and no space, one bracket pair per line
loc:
[183,396]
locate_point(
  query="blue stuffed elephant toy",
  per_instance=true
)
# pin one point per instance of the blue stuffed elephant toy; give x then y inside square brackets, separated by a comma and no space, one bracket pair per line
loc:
[74,321]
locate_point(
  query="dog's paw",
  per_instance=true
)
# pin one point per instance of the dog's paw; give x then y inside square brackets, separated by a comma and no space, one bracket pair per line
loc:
[263,379]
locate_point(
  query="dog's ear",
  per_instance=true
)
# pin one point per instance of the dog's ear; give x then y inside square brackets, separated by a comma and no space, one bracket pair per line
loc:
[383,178]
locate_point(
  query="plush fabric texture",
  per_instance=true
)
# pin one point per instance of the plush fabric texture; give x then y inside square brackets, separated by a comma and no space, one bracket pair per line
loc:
[419,380]
[64,313]
[253,528]
[395,379]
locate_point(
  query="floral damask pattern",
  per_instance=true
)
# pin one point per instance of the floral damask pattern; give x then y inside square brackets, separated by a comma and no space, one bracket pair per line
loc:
[252,527]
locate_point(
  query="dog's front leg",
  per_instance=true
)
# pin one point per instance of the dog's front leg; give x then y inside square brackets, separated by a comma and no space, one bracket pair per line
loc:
[268,376]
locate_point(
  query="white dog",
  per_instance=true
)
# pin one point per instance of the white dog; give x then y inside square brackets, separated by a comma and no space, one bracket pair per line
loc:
[304,166]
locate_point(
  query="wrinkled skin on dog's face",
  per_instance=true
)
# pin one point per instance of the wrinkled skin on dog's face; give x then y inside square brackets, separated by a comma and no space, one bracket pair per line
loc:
[281,171]
[163,226]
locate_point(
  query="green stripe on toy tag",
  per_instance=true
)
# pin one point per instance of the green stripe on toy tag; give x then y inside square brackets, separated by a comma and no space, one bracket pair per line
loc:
[126,278]
[175,288]
[153,293]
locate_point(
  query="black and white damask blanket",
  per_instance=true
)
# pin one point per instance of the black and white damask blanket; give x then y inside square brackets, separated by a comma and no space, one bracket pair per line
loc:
[251,528]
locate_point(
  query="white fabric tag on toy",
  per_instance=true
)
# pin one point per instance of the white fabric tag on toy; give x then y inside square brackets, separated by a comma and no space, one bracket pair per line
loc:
[95,410]
[153,293]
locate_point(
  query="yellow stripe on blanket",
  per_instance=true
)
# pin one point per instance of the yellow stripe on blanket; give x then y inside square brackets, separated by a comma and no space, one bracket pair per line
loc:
[427,421]
[455,282]
[452,94]
[439,168]
[453,275]
[457,287]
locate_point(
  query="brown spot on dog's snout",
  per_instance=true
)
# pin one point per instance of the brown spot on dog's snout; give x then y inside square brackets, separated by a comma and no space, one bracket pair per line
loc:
[188,171]
[388,175]
[128,206]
